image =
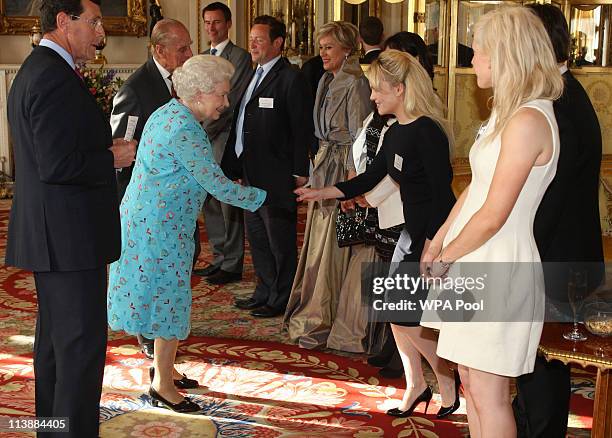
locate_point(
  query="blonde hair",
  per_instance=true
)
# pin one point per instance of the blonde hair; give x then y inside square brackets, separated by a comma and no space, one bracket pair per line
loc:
[201,73]
[344,32]
[523,63]
[420,99]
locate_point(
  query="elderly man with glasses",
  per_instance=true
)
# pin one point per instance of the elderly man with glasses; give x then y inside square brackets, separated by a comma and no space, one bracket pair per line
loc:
[64,222]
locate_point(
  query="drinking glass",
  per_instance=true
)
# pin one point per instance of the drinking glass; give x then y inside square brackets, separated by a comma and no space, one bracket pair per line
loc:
[576,293]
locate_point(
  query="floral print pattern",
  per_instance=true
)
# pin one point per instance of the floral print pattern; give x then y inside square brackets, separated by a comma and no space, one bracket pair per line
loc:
[149,286]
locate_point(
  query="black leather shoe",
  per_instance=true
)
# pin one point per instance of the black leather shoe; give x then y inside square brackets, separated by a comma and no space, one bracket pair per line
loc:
[146,346]
[184,383]
[148,350]
[185,407]
[391,373]
[224,277]
[379,360]
[248,304]
[267,312]
[447,410]
[425,396]
[207,271]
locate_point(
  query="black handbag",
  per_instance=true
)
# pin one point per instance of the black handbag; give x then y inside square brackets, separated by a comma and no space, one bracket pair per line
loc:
[351,226]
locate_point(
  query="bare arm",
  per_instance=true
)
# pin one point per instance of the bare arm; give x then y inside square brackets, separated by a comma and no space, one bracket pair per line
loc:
[525,142]
[433,247]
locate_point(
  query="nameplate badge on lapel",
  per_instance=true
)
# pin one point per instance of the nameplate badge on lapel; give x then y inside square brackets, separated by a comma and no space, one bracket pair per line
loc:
[397,163]
[266,102]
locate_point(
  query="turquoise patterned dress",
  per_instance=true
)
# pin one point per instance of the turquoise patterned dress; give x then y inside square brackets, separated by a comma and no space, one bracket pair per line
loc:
[149,289]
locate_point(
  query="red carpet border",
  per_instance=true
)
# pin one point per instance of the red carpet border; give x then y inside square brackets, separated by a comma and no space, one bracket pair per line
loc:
[253,385]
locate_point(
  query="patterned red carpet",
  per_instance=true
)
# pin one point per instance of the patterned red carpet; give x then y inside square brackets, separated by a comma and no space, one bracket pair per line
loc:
[253,385]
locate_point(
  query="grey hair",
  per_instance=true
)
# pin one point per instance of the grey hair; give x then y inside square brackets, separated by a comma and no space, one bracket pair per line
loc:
[344,32]
[164,32]
[201,73]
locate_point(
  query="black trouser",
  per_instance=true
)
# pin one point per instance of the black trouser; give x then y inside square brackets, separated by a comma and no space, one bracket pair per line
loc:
[272,234]
[541,405]
[70,348]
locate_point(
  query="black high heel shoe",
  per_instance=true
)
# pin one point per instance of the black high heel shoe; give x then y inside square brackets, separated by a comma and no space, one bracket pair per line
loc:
[184,383]
[447,410]
[425,396]
[186,406]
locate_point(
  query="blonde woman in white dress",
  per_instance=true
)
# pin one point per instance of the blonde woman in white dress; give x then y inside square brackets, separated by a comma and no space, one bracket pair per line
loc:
[513,161]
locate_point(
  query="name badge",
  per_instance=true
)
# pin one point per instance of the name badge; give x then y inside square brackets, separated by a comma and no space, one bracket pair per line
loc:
[266,102]
[397,163]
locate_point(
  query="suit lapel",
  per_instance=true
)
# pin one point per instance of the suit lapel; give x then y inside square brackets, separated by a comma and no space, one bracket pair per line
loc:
[157,82]
[227,51]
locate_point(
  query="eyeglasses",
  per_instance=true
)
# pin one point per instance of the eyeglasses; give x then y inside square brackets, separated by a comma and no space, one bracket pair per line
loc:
[93,22]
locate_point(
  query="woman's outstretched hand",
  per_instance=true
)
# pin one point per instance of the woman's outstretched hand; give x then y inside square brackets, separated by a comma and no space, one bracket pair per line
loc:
[308,194]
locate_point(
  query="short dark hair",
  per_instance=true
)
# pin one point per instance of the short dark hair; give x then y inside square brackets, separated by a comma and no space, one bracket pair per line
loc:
[556,27]
[412,43]
[218,6]
[277,28]
[50,8]
[371,30]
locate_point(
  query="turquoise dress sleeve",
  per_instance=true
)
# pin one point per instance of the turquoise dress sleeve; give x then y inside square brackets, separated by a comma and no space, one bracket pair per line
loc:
[193,149]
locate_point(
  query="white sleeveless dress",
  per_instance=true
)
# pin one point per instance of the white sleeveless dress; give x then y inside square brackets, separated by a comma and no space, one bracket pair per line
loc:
[503,348]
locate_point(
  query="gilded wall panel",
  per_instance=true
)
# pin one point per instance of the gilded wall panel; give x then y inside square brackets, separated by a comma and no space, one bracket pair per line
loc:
[470,111]
[599,88]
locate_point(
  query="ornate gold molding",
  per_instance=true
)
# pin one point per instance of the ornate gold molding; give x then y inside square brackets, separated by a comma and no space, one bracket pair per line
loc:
[135,23]
[581,359]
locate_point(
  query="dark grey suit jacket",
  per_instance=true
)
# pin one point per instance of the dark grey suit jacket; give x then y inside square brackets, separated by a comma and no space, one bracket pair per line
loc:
[218,130]
[64,215]
[143,92]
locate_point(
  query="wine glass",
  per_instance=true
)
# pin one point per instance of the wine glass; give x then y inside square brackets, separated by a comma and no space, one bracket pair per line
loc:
[576,292]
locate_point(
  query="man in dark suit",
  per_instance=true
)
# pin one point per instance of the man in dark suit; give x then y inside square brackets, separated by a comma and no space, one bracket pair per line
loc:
[150,86]
[566,229]
[268,148]
[224,223]
[147,89]
[371,37]
[64,222]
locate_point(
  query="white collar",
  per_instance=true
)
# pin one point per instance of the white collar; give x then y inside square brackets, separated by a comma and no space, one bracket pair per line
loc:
[164,73]
[268,65]
[563,68]
[59,50]
[220,47]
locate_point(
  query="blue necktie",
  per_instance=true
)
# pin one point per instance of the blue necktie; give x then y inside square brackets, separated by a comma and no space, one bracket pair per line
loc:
[239,147]
[213,52]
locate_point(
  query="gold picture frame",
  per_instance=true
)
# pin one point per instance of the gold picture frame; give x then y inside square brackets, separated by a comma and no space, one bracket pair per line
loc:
[134,23]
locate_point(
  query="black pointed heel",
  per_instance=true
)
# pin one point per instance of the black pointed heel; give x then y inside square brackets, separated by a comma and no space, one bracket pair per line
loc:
[186,406]
[184,383]
[425,396]
[447,410]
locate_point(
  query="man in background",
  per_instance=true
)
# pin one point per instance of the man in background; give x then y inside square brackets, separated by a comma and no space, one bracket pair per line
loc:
[371,37]
[224,223]
[64,221]
[268,148]
[567,230]
[147,89]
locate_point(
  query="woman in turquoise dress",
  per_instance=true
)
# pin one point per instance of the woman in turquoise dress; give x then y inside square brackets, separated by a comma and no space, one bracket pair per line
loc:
[149,286]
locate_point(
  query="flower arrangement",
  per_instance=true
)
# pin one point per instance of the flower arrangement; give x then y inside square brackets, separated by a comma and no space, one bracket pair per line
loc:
[103,85]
